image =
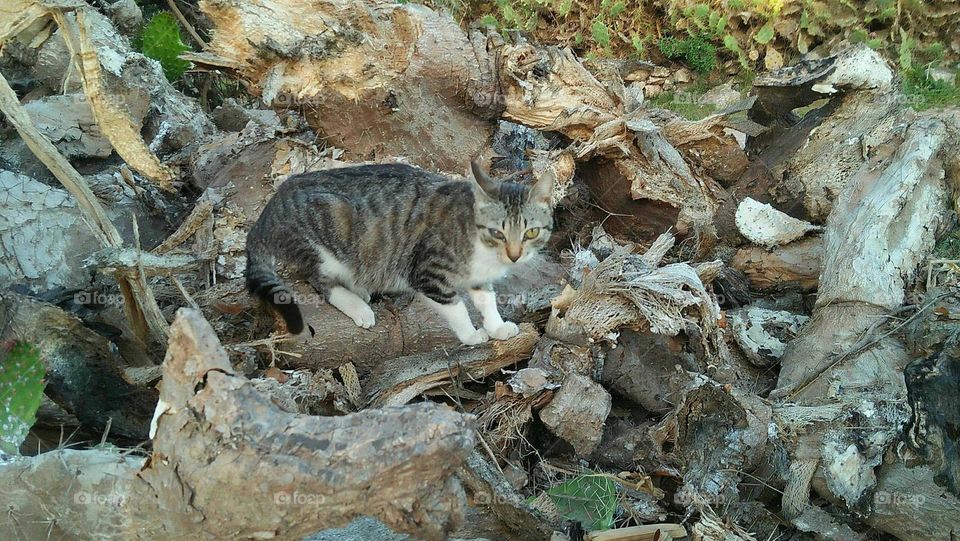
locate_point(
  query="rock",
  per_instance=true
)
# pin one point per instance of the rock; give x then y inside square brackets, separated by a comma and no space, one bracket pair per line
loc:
[762,224]
[126,15]
[69,124]
[763,334]
[772,60]
[944,75]
[577,413]
[638,75]
[644,369]
[661,71]
[233,117]
[682,75]
[720,96]
[652,90]
[530,381]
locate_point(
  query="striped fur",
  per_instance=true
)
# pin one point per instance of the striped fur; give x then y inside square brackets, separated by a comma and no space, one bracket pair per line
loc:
[393,228]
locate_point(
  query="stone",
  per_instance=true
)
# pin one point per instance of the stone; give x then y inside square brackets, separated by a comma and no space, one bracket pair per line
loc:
[577,413]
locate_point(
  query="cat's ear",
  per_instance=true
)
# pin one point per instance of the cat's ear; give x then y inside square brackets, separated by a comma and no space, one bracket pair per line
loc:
[483,181]
[542,190]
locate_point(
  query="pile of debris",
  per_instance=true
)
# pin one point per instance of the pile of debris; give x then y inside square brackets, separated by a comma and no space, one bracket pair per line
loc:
[729,340]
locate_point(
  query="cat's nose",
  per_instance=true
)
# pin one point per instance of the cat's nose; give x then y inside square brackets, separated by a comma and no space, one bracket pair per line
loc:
[514,253]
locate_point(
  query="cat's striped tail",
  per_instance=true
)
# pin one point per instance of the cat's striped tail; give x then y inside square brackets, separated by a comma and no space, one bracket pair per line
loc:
[264,283]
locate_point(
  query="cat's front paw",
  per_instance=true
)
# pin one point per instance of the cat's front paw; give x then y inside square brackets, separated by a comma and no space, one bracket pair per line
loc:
[363,316]
[507,329]
[478,336]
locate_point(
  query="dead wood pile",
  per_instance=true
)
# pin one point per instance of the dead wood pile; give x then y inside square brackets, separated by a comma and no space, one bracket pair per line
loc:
[748,340]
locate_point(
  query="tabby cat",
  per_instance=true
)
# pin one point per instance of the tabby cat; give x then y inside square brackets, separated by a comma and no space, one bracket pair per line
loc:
[392,228]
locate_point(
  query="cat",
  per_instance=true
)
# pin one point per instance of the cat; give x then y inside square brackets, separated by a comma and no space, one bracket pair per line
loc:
[370,229]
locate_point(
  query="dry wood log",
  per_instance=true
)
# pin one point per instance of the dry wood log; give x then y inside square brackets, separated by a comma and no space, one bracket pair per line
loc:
[287,475]
[795,265]
[861,122]
[401,379]
[140,306]
[842,368]
[376,79]
[646,532]
[83,370]
[490,490]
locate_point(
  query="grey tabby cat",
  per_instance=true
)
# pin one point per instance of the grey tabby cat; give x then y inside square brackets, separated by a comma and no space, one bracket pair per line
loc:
[392,228]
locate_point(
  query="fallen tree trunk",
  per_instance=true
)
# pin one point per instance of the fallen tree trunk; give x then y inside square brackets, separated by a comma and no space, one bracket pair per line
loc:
[793,266]
[875,239]
[289,475]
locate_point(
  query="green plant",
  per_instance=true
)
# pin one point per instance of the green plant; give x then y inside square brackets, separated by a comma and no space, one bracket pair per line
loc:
[695,51]
[161,41]
[21,386]
[588,499]
[924,92]
[684,104]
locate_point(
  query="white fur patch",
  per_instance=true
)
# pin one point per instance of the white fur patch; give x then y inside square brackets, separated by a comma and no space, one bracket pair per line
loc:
[353,306]
[486,266]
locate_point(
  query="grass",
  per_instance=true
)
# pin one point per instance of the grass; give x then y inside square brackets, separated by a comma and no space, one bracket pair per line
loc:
[924,92]
[685,104]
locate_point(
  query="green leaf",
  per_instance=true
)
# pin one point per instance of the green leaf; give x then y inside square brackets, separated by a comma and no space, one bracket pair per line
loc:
[565,7]
[764,35]
[600,33]
[617,8]
[161,42]
[588,499]
[906,50]
[488,20]
[21,386]
[638,45]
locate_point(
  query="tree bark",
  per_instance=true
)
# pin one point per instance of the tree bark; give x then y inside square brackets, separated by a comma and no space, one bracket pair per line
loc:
[289,475]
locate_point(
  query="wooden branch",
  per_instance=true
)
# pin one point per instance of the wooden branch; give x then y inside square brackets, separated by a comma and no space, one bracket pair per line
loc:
[140,307]
[201,211]
[646,532]
[793,266]
[287,475]
[109,110]
[402,379]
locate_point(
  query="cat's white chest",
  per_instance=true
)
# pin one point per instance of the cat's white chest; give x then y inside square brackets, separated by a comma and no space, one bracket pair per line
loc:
[486,266]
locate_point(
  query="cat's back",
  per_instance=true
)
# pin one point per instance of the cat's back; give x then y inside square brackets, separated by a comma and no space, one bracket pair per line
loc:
[365,181]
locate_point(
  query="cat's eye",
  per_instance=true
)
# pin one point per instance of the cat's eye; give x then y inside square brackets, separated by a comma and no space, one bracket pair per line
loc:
[532,233]
[497,234]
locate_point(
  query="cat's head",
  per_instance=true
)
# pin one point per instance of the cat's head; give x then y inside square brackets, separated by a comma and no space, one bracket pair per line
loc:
[514,219]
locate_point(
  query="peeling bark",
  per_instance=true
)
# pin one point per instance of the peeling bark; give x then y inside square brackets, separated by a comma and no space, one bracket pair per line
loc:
[289,475]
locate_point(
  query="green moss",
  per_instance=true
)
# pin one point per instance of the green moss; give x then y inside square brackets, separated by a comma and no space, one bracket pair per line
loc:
[696,52]
[685,104]
[924,92]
